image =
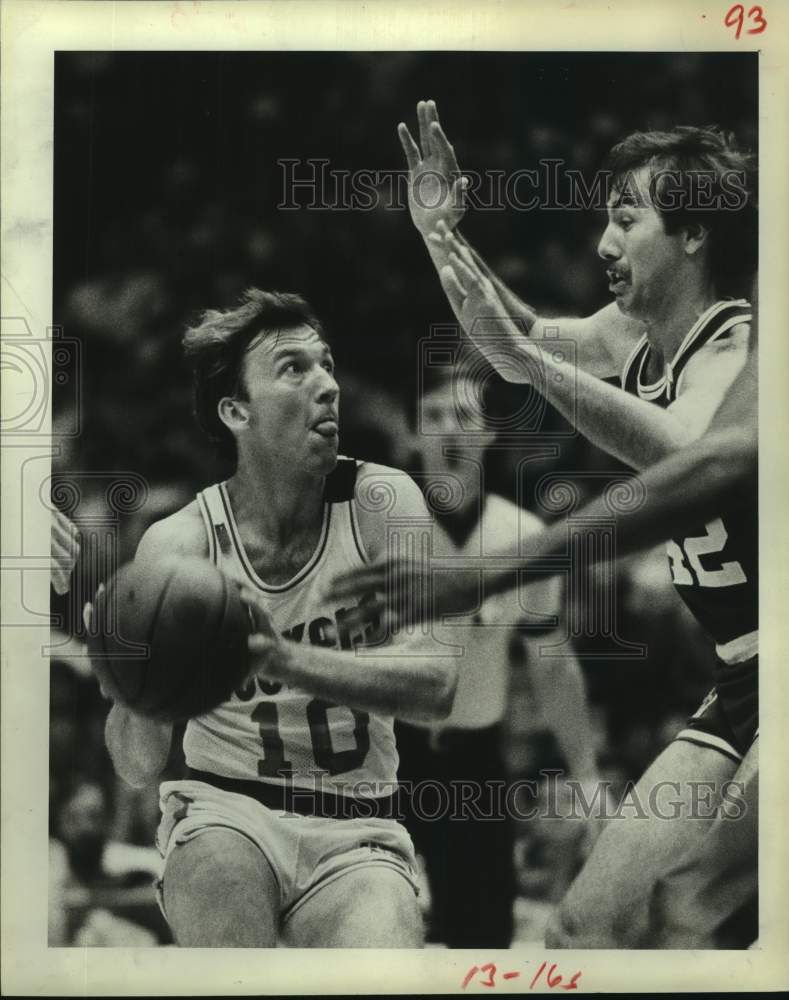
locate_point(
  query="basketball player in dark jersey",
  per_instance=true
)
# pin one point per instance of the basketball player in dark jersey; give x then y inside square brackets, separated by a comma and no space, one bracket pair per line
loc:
[676,335]
[718,874]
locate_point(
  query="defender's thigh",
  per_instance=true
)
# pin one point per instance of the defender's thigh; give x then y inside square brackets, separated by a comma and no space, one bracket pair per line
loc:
[369,907]
[219,892]
[606,906]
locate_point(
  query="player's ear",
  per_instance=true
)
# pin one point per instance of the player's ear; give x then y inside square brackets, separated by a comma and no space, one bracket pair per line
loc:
[233,413]
[695,237]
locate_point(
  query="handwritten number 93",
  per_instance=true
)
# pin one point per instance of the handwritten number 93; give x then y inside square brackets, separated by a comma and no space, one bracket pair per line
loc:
[736,16]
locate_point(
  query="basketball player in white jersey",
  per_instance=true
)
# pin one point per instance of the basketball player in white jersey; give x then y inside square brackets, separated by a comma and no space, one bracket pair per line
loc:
[469,854]
[680,252]
[284,827]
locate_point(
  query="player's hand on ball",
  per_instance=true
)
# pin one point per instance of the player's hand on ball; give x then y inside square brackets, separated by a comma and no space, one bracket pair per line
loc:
[89,620]
[64,551]
[436,190]
[266,649]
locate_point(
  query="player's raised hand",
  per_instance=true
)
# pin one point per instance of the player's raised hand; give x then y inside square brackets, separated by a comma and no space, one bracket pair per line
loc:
[436,189]
[64,547]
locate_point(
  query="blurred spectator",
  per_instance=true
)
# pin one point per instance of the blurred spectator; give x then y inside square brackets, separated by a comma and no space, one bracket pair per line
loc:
[86,869]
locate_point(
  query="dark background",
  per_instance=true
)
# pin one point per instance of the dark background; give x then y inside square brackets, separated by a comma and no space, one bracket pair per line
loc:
[166,187]
[165,193]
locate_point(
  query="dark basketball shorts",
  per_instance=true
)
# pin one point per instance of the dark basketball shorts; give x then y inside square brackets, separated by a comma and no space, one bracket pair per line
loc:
[728,718]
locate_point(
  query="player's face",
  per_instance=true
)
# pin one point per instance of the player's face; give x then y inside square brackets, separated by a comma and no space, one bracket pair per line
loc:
[293,400]
[642,259]
[451,438]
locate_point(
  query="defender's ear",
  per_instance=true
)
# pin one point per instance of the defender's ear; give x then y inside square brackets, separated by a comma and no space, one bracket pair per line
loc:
[695,237]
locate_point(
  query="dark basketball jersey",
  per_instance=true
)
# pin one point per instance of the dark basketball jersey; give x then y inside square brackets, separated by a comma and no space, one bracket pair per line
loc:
[714,566]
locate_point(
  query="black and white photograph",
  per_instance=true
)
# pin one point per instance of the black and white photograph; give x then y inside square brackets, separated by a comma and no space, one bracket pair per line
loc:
[396,466]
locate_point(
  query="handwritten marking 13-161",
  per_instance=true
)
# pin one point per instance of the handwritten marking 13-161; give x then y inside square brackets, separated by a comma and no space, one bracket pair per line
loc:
[553,979]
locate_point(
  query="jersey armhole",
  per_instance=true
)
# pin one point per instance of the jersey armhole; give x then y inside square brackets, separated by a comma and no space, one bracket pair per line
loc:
[357,532]
[209,527]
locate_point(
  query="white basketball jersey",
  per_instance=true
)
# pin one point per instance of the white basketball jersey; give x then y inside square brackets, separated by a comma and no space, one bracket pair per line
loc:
[271,731]
[484,668]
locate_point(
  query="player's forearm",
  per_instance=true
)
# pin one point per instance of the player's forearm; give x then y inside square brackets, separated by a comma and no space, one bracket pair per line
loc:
[139,747]
[679,492]
[686,487]
[410,687]
[634,431]
[561,695]
[683,489]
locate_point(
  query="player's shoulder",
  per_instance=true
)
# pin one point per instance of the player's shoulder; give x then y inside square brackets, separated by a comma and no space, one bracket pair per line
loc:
[736,339]
[384,489]
[726,354]
[182,533]
[382,492]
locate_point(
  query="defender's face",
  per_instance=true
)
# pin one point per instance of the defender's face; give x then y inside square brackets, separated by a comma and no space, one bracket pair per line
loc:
[642,259]
[452,439]
[293,400]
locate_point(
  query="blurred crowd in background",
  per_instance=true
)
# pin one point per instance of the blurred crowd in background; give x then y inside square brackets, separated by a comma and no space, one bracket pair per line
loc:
[166,187]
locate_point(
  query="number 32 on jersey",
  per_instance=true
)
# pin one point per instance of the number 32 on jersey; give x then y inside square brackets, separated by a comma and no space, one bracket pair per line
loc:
[687,569]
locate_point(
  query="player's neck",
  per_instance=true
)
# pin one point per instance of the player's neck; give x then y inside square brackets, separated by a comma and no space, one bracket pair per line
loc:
[278,507]
[677,313]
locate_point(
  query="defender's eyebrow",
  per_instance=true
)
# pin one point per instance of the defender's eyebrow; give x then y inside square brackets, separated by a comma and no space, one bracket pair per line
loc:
[623,199]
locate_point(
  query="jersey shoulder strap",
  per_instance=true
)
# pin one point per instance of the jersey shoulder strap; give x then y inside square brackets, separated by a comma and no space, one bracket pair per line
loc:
[341,482]
[715,324]
[217,524]
[629,378]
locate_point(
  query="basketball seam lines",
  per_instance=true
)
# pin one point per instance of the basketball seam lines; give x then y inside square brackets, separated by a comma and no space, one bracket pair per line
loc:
[157,609]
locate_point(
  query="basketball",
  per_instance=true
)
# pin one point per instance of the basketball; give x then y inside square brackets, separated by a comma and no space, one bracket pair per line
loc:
[169,639]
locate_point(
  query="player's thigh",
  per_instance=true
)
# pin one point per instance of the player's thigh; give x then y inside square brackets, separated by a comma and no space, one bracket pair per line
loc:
[668,813]
[219,891]
[368,907]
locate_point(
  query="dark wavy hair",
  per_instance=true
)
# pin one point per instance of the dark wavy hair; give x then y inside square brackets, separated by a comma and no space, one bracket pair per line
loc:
[215,349]
[699,175]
